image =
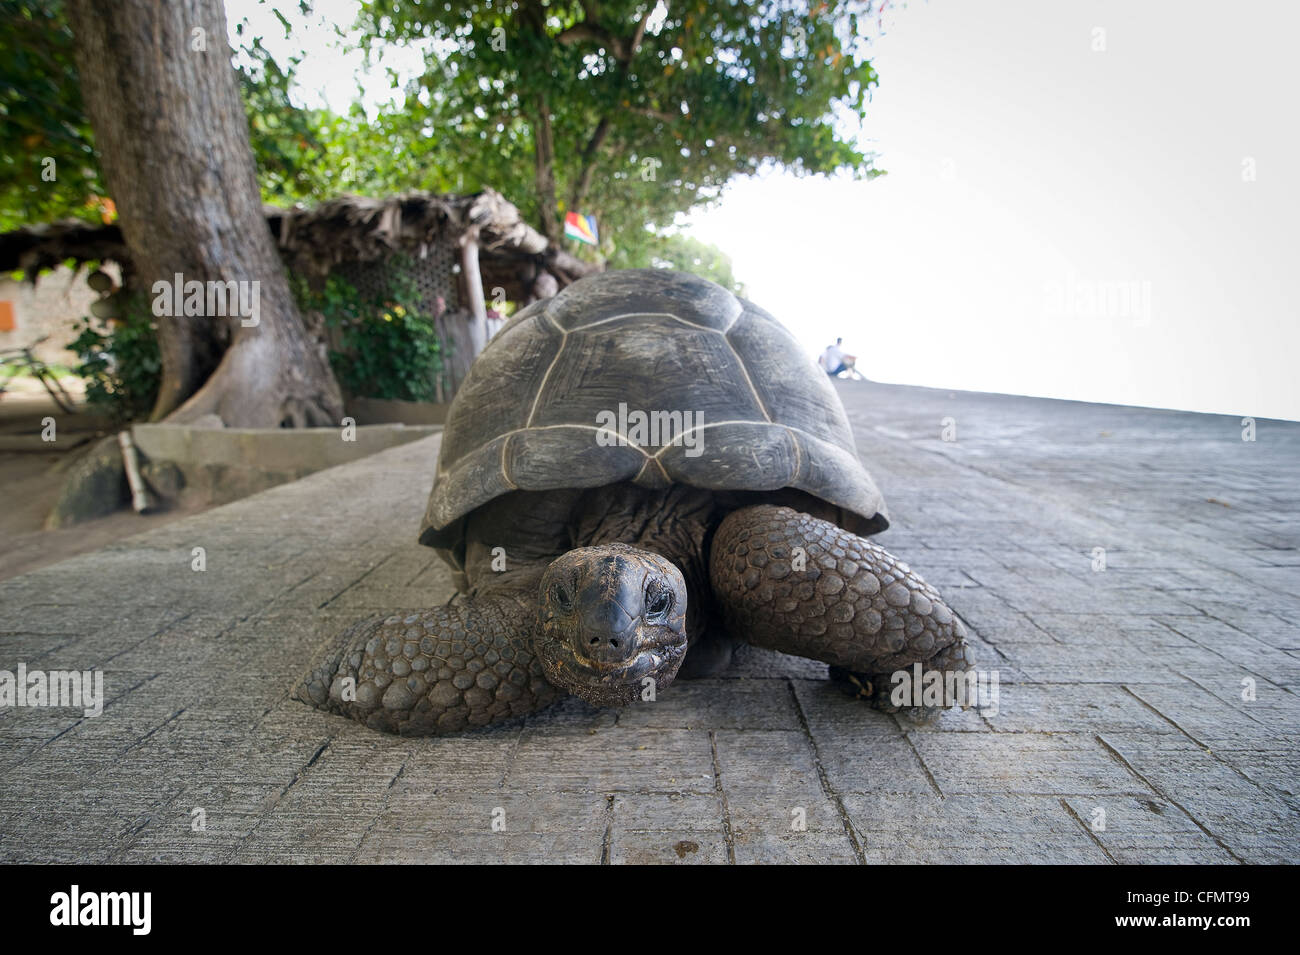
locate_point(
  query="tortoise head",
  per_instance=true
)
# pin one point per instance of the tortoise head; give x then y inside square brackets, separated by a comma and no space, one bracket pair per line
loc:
[611,618]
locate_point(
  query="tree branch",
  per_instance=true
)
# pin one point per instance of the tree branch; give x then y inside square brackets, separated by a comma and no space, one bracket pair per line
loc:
[588,165]
[639,35]
[593,31]
[592,28]
[544,154]
[623,50]
[654,114]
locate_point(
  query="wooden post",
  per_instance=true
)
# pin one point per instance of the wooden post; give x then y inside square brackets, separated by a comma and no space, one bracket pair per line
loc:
[139,495]
[474,288]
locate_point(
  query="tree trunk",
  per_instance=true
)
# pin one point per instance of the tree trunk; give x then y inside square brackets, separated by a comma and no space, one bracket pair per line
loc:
[544,154]
[172,139]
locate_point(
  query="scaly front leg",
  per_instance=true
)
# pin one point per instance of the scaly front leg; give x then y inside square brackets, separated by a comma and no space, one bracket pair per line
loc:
[435,671]
[853,605]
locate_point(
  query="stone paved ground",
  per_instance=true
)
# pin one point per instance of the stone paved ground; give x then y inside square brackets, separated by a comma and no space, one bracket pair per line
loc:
[1121,690]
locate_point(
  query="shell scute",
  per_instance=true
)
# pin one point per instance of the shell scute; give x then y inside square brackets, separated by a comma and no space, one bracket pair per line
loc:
[530,414]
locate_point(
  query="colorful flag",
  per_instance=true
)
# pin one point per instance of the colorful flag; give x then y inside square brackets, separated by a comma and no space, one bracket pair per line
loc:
[580,227]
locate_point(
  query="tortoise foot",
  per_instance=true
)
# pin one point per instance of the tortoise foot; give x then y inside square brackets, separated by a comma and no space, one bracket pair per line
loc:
[796,583]
[874,690]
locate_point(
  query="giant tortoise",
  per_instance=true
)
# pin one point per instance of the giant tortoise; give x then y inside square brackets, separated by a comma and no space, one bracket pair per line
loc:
[636,476]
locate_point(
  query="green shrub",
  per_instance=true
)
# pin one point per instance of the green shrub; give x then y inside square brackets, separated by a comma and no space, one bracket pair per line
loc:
[120,363]
[388,347]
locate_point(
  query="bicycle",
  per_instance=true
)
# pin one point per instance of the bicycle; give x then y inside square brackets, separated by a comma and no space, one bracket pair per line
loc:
[24,359]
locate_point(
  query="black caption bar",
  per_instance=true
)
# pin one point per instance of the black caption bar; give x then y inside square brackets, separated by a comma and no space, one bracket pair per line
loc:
[136,905]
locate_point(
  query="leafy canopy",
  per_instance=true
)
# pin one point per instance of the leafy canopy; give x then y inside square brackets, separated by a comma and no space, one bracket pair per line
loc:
[652,107]
[48,168]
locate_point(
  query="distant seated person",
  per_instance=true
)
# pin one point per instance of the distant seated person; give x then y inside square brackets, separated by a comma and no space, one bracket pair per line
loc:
[836,362]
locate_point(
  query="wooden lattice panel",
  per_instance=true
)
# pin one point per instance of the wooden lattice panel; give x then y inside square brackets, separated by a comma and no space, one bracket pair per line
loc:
[435,275]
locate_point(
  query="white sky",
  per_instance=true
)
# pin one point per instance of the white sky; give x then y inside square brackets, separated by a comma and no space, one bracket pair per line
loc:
[1056,220]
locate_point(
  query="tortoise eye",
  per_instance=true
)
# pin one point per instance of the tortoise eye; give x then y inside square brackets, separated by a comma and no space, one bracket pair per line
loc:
[561,598]
[658,600]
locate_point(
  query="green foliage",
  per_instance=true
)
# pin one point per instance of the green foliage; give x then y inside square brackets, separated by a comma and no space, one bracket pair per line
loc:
[42,118]
[120,362]
[388,346]
[300,154]
[639,136]
[718,89]
[286,141]
[679,252]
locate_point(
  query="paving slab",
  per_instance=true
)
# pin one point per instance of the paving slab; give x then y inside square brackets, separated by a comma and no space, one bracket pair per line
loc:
[1132,576]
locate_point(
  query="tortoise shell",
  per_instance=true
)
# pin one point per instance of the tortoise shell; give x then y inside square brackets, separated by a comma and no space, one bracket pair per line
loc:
[541,405]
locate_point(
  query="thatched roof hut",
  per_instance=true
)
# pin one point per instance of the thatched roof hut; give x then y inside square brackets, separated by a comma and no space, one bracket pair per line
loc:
[349,229]
[451,239]
[511,253]
[33,249]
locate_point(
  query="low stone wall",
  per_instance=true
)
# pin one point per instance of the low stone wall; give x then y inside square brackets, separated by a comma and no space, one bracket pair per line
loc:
[384,411]
[220,465]
[208,466]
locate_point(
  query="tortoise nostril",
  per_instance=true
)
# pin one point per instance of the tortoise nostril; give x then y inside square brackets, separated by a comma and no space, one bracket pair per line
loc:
[606,649]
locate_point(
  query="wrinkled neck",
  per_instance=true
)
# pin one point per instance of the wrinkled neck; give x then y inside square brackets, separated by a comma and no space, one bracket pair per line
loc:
[674,522]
